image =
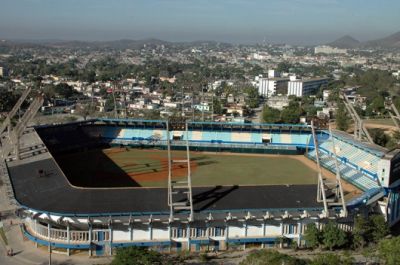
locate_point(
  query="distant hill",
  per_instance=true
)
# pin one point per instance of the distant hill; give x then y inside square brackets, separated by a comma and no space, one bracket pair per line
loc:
[392,41]
[348,42]
[345,42]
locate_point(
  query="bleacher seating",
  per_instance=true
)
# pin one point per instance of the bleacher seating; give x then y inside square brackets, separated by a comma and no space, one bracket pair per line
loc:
[352,155]
[139,134]
[245,137]
[348,173]
[59,139]
[102,131]
[300,138]
[256,137]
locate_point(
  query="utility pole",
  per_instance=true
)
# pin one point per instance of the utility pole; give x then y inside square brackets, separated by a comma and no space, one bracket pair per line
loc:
[192,104]
[212,106]
[202,102]
[115,102]
[182,101]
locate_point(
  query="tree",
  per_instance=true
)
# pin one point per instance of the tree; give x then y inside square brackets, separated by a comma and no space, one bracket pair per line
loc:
[292,113]
[370,230]
[342,122]
[312,236]
[64,90]
[109,104]
[88,76]
[361,232]
[396,102]
[388,250]
[284,67]
[333,237]
[252,99]
[7,100]
[394,140]
[379,227]
[217,106]
[271,115]
[136,256]
[85,110]
[150,114]
[334,96]
[379,137]
[376,106]
[49,91]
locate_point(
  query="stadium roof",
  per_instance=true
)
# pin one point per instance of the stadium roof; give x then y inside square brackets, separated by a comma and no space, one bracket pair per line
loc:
[372,148]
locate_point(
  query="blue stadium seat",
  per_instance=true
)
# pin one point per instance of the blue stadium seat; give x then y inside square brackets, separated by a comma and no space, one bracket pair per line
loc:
[348,173]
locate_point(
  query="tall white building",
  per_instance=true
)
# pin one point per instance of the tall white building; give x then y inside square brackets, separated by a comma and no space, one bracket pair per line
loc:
[305,87]
[273,74]
[268,87]
[329,50]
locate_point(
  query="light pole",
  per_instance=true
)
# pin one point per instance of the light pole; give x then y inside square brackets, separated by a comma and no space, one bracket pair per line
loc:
[49,240]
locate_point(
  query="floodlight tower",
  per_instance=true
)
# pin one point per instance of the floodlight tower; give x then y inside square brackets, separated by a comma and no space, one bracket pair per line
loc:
[396,116]
[338,185]
[179,191]
[7,121]
[324,185]
[360,131]
[10,140]
[321,195]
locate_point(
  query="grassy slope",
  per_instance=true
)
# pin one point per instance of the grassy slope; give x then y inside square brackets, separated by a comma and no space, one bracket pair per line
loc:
[3,236]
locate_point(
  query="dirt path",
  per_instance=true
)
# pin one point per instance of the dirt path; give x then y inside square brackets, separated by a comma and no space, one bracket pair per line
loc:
[389,129]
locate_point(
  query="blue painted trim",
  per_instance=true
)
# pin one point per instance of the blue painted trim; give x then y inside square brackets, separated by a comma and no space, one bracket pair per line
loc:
[54,244]
[345,161]
[142,244]
[251,124]
[131,120]
[87,246]
[210,141]
[253,240]
[64,124]
[245,210]
[199,241]
[211,123]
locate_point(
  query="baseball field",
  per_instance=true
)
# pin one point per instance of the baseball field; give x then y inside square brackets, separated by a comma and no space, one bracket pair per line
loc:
[120,167]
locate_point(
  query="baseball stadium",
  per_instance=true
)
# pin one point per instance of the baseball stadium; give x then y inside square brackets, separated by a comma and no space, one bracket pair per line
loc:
[173,185]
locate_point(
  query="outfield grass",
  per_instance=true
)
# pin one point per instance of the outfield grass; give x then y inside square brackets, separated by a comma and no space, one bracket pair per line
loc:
[251,170]
[149,168]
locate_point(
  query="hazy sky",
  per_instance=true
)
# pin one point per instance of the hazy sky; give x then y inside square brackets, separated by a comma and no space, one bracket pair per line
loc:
[246,21]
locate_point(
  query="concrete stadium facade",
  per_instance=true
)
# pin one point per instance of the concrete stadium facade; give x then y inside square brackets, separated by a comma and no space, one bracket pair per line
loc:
[59,215]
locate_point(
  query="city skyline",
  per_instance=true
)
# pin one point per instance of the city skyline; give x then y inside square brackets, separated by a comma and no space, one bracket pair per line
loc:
[236,21]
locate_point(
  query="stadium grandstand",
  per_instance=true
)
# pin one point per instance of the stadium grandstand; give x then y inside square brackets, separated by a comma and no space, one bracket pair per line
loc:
[60,215]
